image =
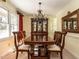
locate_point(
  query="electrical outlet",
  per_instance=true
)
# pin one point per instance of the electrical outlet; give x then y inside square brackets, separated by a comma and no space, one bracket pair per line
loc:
[8,44]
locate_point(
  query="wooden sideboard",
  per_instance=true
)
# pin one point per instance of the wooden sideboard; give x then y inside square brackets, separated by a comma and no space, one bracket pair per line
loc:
[70,22]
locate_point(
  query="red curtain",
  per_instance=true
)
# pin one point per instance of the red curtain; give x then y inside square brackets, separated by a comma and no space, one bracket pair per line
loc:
[20,21]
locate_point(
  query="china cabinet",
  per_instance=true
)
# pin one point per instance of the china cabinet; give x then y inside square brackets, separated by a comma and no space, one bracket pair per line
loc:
[39,29]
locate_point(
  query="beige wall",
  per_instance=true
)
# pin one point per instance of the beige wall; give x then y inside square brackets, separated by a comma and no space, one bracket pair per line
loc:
[7,43]
[72,39]
[27,25]
[52,25]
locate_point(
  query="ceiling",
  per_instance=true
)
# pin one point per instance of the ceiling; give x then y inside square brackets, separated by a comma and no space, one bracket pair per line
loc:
[49,7]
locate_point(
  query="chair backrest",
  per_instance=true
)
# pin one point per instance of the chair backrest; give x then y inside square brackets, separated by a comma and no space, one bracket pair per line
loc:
[57,37]
[63,40]
[18,38]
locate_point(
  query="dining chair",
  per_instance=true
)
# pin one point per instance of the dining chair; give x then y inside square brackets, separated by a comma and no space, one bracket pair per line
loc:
[19,37]
[59,44]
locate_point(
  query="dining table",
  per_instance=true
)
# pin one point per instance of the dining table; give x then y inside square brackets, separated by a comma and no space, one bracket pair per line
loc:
[29,42]
[43,50]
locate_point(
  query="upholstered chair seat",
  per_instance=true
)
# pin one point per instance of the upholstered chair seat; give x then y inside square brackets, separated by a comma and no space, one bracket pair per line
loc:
[59,38]
[24,47]
[54,48]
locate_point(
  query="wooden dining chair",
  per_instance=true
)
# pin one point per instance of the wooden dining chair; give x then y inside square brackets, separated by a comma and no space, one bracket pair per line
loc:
[19,44]
[59,43]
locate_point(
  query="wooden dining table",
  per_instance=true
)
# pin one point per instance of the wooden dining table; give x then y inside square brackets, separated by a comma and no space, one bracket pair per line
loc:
[29,42]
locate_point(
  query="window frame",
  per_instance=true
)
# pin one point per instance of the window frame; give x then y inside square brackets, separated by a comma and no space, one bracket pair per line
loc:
[8,23]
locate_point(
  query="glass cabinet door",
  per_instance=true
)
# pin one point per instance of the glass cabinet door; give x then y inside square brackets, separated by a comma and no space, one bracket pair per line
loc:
[39,26]
[44,25]
[34,26]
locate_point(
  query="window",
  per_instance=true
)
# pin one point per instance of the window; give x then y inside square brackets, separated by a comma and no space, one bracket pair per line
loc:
[8,23]
[13,23]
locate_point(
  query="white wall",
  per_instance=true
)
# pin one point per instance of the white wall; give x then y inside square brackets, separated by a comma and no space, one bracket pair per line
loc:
[72,39]
[72,44]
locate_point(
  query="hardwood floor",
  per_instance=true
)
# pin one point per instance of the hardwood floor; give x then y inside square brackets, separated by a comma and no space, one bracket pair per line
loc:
[66,55]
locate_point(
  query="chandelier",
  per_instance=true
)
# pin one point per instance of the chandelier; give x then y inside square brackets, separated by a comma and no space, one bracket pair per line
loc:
[40,15]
